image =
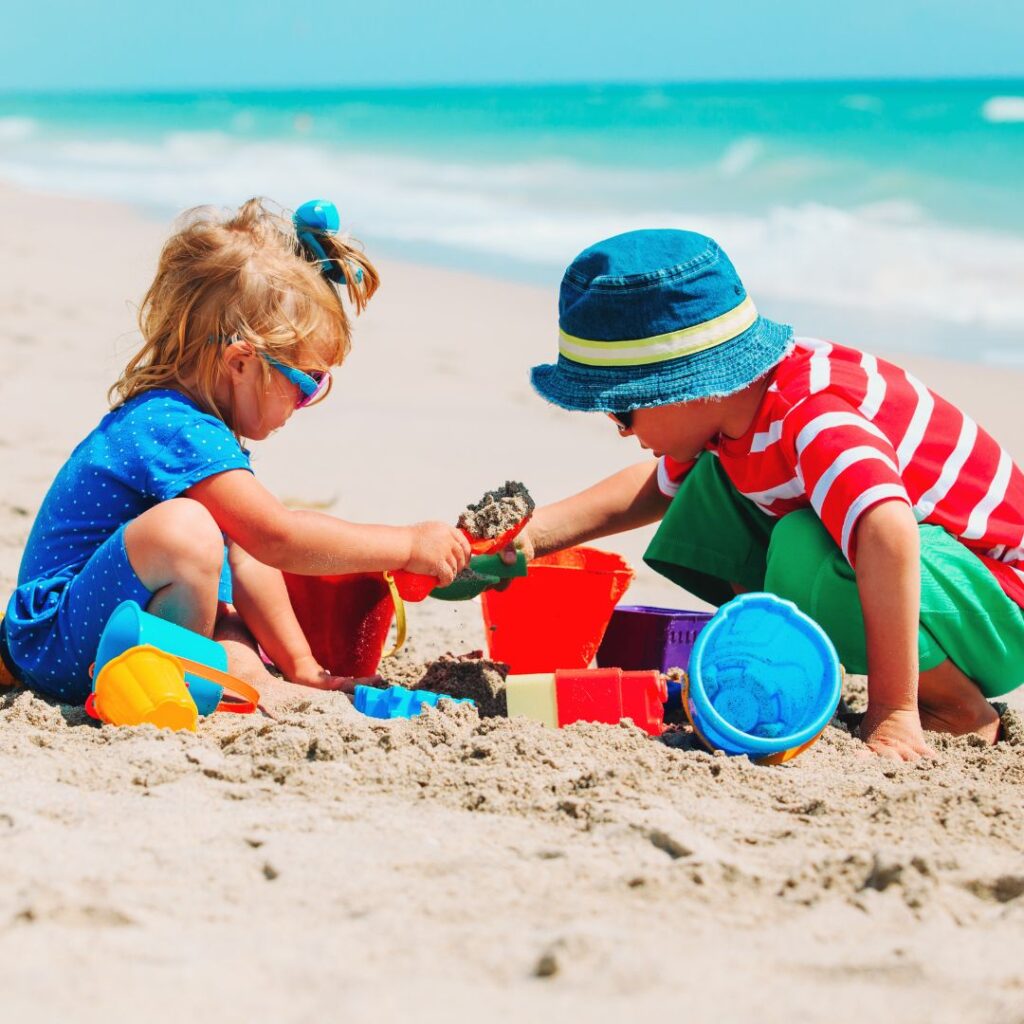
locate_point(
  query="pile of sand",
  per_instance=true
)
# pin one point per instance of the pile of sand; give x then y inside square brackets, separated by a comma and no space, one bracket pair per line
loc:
[498,511]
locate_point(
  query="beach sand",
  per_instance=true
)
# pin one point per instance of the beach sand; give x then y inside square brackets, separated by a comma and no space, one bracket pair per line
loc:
[324,866]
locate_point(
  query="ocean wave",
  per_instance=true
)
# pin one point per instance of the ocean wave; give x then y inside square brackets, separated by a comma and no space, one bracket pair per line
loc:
[862,102]
[16,129]
[741,156]
[1003,109]
[887,257]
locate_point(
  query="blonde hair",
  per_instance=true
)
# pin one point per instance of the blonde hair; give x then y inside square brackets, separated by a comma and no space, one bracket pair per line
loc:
[241,276]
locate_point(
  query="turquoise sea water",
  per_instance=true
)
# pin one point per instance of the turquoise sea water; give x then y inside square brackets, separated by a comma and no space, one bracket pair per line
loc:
[901,202]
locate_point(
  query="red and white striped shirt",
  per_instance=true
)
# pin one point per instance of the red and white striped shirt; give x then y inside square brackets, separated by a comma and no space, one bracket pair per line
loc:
[842,431]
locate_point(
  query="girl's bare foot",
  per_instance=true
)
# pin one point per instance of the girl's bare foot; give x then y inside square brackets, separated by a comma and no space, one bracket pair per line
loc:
[950,702]
[244,659]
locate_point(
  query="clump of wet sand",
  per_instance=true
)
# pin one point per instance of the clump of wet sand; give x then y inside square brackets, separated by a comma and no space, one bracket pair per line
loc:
[498,511]
[470,575]
[469,675]
[455,675]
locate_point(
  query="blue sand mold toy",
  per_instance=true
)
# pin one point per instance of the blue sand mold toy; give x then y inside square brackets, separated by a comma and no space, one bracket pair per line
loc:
[398,702]
[129,626]
[764,679]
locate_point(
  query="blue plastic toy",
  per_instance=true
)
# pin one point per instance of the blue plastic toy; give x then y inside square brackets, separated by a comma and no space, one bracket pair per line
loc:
[398,702]
[129,626]
[764,679]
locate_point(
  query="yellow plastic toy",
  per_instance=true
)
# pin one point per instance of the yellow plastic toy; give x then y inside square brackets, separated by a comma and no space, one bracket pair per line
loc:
[144,685]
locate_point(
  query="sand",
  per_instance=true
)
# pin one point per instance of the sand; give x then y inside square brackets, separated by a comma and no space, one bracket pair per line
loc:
[469,675]
[320,865]
[498,511]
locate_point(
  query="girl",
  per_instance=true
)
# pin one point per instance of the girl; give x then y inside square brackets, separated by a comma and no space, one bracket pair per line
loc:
[241,327]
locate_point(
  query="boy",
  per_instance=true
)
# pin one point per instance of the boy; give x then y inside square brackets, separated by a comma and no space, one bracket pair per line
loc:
[807,469]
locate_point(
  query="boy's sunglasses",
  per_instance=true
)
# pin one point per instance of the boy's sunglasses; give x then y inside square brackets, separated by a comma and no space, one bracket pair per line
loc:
[623,420]
[311,385]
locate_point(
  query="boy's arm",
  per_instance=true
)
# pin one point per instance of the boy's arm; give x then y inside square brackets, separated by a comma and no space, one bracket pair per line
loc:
[261,598]
[889,584]
[623,501]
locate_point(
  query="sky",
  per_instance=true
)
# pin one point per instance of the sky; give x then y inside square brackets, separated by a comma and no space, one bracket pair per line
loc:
[221,44]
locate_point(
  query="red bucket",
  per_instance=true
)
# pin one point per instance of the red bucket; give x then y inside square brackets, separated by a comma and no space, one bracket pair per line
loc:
[555,617]
[346,619]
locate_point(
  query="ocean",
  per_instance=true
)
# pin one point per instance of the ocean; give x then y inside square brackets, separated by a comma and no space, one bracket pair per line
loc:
[889,213]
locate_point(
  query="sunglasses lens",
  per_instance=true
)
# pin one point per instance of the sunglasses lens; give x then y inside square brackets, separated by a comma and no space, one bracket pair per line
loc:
[322,379]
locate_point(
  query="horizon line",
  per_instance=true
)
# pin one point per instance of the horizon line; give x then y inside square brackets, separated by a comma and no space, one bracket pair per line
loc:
[438,86]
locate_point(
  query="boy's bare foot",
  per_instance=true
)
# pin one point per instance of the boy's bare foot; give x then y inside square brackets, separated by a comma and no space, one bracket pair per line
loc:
[950,702]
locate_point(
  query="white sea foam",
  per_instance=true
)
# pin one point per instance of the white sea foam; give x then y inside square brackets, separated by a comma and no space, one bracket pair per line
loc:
[1003,109]
[886,258]
[14,129]
[864,102]
[740,156]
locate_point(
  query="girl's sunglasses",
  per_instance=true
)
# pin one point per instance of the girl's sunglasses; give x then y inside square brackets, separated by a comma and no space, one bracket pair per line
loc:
[311,385]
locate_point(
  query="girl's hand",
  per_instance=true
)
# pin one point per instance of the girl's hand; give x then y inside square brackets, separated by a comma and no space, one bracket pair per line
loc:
[438,550]
[895,733]
[309,673]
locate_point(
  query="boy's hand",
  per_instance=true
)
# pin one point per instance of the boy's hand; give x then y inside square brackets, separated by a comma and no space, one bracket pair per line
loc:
[438,550]
[522,542]
[895,733]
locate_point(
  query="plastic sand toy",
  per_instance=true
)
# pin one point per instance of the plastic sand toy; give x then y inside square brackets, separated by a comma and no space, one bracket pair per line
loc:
[641,636]
[346,619]
[490,526]
[398,702]
[485,571]
[146,685]
[589,695]
[143,685]
[764,680]
[130,626]
[556,617]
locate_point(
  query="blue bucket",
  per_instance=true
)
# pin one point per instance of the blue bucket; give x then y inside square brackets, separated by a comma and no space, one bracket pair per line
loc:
[129,626]
[764,679]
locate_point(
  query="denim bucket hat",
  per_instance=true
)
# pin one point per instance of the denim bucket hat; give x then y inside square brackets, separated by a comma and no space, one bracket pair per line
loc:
[654,317]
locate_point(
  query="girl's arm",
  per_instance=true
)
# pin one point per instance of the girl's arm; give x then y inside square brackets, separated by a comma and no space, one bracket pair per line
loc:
[889,585]
[261,599]
[624,501]
[316,544]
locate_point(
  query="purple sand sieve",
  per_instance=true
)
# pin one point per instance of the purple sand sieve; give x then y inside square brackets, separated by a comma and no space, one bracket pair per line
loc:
[643,637]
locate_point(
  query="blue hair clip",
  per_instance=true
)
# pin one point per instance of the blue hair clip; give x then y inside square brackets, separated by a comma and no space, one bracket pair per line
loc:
[320,217]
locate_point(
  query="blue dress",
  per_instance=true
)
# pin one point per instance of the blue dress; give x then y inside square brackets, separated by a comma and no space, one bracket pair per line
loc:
[75,568]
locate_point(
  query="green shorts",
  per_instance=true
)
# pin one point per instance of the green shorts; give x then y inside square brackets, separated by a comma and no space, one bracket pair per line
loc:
[712,536]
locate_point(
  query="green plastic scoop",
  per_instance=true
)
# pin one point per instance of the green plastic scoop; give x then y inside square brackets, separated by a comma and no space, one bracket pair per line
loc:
[486,571]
